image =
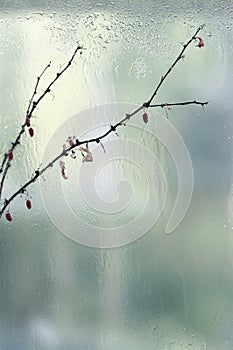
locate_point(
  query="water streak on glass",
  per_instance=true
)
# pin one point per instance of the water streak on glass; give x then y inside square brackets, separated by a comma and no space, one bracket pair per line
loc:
[165,292]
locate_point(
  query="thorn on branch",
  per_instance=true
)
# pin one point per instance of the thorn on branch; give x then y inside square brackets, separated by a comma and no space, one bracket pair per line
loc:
[102,147]
[73,156]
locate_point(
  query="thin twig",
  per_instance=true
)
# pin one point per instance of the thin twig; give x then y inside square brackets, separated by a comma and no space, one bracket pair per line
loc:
[35,89]
[168,104]
[32,106]
[179,57]
[4,175]
[112,128]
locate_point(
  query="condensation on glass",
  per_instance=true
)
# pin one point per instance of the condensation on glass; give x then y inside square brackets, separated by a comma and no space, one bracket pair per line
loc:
[159,291]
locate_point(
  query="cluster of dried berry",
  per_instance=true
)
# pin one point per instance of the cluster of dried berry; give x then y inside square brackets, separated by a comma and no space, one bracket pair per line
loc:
[8,214]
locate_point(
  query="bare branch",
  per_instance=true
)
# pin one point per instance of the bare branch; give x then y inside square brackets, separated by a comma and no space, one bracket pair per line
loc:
[36,86]
[168,104]
[179,57]
[33,104]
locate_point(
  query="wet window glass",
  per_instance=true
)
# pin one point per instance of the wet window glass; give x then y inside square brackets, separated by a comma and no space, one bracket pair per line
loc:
[127,243]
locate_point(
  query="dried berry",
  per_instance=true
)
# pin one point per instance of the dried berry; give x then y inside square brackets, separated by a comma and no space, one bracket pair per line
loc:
[27,122]
[8,216]
[28,204]
[145,117]
[71,140]
[201,42]
[10,155]
[88,157]
[63,170]
[31,132]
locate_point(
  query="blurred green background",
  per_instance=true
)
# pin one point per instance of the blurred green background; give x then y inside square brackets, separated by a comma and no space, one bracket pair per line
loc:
[163,291]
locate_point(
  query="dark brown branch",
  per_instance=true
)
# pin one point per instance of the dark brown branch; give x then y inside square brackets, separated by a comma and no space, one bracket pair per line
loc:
[32,106]
[36,86]
[179,57]
[112,128]
[168,104]
[4,175]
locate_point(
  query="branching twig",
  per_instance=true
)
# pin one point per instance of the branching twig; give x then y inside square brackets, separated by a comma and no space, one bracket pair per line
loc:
[168,104]
[93,140]
[112,128]
[179,57]
[33,104]
[35,89]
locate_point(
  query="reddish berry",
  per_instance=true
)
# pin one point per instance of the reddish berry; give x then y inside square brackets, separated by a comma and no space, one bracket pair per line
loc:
[71,141]
[201,42]
[27,122]
[28,204]
[8,216]
[10,155]
[145,117]
[31,132]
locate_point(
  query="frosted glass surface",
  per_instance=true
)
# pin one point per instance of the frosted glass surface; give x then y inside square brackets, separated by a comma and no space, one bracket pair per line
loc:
[161,291]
